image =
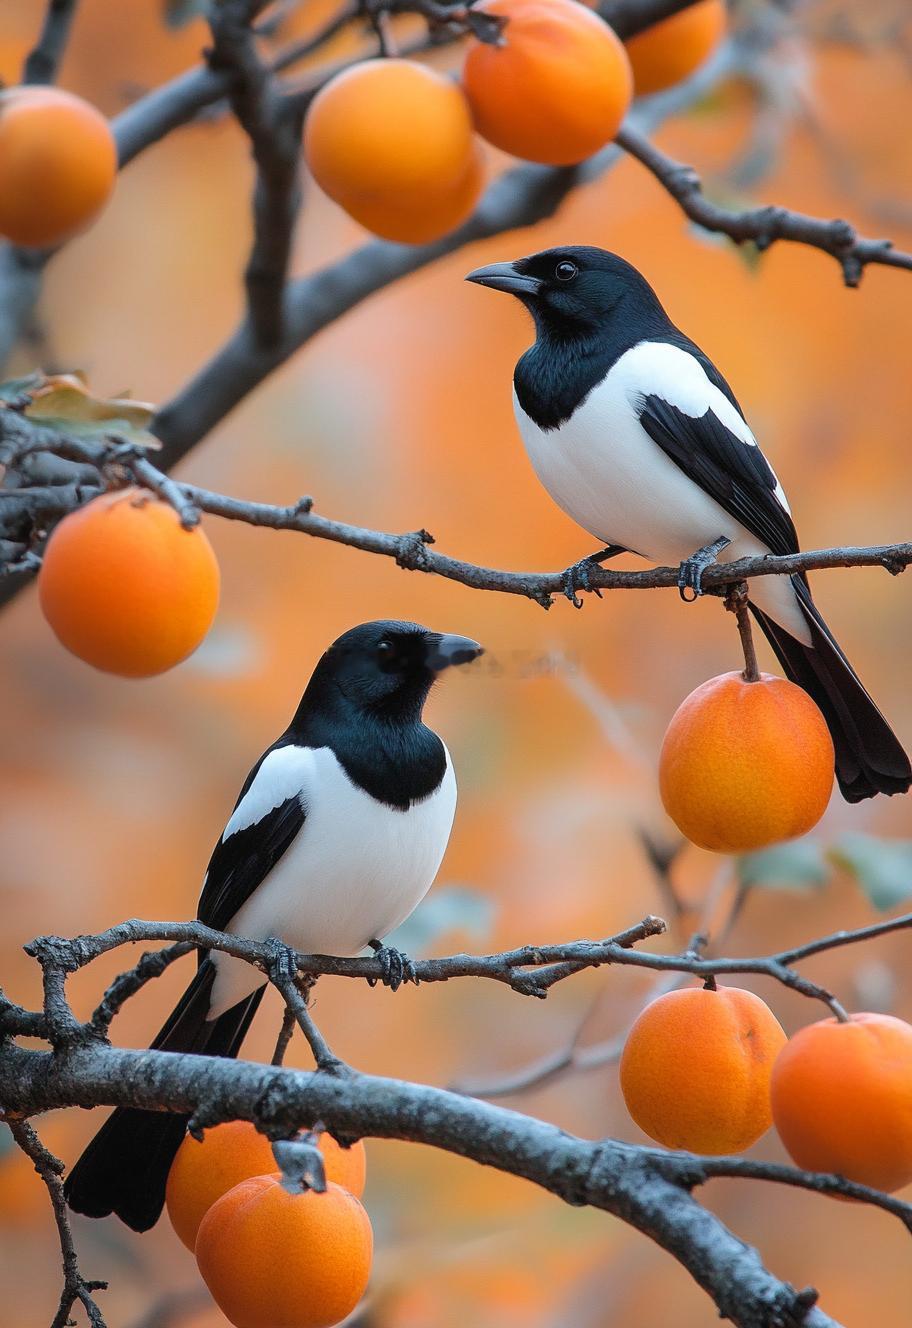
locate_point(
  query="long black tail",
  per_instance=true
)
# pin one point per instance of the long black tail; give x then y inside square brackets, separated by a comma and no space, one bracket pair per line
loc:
[125,1167]
[869,758]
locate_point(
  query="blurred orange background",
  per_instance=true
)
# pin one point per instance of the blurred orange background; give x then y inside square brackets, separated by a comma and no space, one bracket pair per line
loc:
[399,416]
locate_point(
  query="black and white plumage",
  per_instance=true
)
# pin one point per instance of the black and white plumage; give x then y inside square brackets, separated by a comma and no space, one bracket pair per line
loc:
[336,837]
[638,437]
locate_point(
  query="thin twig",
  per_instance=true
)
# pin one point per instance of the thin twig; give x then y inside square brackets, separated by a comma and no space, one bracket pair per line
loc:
[75,1286]
[411,551]
[762,226]
[286,1033]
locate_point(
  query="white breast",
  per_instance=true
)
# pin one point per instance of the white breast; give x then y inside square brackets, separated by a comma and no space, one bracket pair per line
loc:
[356,870]
[604,470]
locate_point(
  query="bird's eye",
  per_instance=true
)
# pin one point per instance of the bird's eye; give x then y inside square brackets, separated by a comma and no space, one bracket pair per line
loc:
[566,271]
[386,650]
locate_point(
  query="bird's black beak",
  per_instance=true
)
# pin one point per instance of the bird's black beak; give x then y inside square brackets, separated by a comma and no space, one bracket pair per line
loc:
[443,651]
[504,277]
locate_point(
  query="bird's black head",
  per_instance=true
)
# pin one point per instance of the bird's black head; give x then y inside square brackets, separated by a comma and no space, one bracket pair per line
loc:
[385,669]
[574,290]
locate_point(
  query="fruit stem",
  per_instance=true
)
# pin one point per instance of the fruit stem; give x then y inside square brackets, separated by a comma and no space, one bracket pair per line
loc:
[839,1010]
[736,603]
[709,983]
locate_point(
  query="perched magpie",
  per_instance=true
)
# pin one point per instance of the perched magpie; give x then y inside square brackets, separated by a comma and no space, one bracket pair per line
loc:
[336,837]
[638,437]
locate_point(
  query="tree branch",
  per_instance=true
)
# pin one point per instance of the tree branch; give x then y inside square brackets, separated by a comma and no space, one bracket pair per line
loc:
[75,1286]
[25,512]
[763,226]
[273,124]
[44,59]
[646,1187]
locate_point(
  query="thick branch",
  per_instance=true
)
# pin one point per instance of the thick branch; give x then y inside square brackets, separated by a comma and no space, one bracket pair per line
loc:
[647,1189]
[763,226]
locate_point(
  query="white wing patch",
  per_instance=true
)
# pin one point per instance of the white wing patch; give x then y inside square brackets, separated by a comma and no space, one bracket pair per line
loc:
[284,773]
[656,368]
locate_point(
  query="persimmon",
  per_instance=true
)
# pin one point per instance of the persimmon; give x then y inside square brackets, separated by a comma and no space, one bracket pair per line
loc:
[556,89]
[125,587]
[842,1099]
[272,1259]
[746,764]
[204,1170]
[673,49]
[388,139]
[696,1066]
[417,217]
[58,164]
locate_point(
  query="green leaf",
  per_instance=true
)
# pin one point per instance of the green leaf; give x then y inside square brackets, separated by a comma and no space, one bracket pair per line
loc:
[882,867]
[799,865]
[451,908]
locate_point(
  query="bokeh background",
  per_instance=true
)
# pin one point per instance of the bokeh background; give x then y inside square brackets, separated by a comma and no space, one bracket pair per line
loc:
[112,792]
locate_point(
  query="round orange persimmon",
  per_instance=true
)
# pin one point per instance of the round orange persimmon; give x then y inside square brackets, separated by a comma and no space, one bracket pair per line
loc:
[842,1099]
[277,1260]
[58,163]
[202,1171]
[387,138]
[673,49]
[125,587]
[695,1070]
[419,216]
[746,764]
[556,89]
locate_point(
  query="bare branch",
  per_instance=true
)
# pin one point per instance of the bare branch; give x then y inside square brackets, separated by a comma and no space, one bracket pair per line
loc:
[648,1189]
[75,1286]
[763,226]
[26,512]
[273,123]
[43,60]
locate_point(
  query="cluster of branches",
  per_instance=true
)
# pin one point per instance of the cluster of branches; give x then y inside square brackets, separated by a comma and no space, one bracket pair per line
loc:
[49,472]
[649,1188]
[283,314]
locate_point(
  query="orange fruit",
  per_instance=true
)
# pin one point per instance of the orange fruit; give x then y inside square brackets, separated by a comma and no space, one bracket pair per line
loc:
[557,88]
[673,49]
[125,587]
[58,163]
[388,139]
[202,1171]
[423,215]
[277,1260]
[695,1070]
[745,764]
[842,1099]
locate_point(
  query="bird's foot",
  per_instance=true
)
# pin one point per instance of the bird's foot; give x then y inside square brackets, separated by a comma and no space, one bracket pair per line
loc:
[282,961]
[690,574]
[395,966]
[578,576]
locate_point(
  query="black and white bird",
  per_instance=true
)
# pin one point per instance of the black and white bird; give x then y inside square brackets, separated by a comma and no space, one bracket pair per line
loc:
[336,837]
[638,437]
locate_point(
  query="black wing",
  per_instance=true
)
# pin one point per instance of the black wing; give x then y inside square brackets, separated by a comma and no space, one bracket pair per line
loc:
[240,862]
[734,473]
